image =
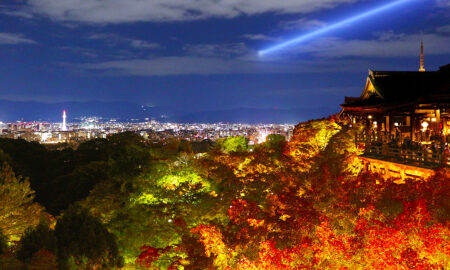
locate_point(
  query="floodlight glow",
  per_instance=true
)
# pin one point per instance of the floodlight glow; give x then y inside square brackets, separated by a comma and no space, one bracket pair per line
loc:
[332,27]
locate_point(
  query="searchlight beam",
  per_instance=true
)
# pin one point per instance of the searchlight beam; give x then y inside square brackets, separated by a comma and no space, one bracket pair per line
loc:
[325,29]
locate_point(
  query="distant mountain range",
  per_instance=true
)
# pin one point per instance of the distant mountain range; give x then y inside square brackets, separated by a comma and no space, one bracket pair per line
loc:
[254,116]
[124,111]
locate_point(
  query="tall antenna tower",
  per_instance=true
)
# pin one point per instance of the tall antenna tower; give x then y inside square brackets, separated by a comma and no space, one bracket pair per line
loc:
[64,116]
[422,66]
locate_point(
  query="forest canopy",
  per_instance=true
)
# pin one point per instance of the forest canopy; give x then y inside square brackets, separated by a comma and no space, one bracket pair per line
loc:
[125,203]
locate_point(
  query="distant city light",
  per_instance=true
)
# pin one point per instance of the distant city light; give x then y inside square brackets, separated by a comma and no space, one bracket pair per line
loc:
[86,128]
[262,137]
[326,29]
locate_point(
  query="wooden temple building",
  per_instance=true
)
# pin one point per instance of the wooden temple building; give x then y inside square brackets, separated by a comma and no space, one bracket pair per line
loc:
[406,120]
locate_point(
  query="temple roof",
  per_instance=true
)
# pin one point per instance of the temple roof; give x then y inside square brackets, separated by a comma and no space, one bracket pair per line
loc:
[400,87]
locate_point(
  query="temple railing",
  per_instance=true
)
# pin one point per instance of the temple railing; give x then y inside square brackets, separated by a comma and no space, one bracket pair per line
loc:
[369,138]
[421,156]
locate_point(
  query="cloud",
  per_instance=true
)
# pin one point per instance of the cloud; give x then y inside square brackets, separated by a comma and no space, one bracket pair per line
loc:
[444,29]
[302,23]
[185,65]
[120,11]
[114,39]
[322,55]
[443,3]
[86,52]
[217,50]
[200,65]
[10,38]
[299,92]
[104,36]
[49,99]
[258,37]
[141,44]
[385,45]
[17,13]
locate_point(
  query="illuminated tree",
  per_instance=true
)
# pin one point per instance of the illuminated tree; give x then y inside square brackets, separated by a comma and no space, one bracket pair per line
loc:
[233,144]
[178,199]
[310,139]
[341,153]
[412,240]
[212,240]
[156,208]
[17,211]
[301,204]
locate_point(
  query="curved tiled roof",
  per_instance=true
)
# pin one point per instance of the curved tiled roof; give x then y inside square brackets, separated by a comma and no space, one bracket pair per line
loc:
[391,87]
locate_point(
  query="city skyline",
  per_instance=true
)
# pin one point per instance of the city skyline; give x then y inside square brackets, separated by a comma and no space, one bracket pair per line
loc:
[202,58]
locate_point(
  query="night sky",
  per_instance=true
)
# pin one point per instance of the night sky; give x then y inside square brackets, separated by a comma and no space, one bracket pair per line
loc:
[202,54]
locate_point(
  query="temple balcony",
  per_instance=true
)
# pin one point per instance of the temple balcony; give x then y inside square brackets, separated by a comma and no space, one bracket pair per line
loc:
[401,161]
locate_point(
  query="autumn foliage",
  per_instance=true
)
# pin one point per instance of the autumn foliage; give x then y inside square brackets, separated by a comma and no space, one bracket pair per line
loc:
[305,204]
[299,204]
[148,255]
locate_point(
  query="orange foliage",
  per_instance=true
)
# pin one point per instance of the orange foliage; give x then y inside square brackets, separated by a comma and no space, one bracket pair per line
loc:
[212,240]
[410,241]
[242,211]
[149,255]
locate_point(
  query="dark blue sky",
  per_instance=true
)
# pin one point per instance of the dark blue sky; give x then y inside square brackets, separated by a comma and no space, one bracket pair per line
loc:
[202,54]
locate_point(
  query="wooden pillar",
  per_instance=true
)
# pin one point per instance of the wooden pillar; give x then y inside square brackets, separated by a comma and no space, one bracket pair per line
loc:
[387,130]
[444,125]
[438,121]
[391,125]
[413,121]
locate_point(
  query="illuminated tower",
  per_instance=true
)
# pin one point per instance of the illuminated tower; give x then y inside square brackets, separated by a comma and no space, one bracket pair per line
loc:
[64,127]
[422,67]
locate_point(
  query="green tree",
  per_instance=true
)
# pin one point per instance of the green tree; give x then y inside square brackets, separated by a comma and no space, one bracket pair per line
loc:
[41,237]
[276,144]
[310,139]
[155,208]
[77,185]
[129,154]
[233,144]
[85,239]
[275,140]
[17,211]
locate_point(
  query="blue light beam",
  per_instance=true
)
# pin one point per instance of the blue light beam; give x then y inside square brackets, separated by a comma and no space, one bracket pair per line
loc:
[332,27]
